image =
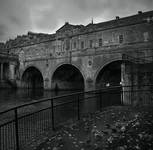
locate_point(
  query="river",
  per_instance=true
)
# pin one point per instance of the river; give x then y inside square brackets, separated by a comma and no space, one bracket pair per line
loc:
[10,97]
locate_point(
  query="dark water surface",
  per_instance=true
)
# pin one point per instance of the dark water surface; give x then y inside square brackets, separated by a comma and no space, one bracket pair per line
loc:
[11,97]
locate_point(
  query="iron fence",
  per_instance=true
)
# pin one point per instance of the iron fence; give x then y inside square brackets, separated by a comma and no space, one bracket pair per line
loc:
[20,126]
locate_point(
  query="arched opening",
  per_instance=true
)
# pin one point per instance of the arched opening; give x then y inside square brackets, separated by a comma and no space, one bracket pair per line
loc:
[109,78]
[109,75]
[67,77]
[32,78]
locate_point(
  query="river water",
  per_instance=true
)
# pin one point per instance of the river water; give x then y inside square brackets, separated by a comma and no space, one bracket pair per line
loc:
[10,97]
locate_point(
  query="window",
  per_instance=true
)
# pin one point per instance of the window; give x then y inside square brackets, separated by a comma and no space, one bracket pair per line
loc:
[121,38]
[146,36]
[74,45]
[67,44]
[82,45]
[90,43]
[100,42]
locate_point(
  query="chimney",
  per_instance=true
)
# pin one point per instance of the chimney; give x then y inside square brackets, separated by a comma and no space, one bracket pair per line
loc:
[66,23]
[139,12]
[117,17]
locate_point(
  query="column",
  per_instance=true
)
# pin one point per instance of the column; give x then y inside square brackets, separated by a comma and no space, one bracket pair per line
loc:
[1,75]
[89,84]
[12,71]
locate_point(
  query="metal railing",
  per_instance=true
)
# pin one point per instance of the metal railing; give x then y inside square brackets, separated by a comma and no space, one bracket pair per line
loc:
[20,125]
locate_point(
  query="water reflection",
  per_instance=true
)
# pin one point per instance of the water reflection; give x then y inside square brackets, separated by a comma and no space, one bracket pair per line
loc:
[11,97]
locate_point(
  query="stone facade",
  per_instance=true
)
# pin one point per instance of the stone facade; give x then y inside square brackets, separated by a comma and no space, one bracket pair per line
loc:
[88,48]
[2,45]
[8,65]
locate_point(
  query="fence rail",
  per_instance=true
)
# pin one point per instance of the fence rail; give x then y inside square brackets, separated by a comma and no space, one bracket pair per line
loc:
[20,125]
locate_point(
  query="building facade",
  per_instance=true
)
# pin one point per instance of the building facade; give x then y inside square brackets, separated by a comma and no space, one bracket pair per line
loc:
[86,57]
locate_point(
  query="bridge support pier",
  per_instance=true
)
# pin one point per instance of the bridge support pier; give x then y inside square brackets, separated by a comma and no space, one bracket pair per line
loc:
[12,78]
[129,83]
[12,71]
[89,85]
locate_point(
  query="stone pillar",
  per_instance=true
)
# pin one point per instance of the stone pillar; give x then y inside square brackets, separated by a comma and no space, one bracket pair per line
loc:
[135,94]
[12,71]
[1,72]
[126,84]
[89,84]
[46,83]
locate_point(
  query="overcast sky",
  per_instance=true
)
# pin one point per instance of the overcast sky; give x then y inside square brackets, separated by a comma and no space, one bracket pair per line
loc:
[17,17]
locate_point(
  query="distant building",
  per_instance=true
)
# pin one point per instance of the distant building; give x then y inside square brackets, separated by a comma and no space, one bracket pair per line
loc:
[2,45]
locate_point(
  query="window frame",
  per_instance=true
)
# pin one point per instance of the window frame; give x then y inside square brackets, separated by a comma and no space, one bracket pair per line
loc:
[121,38]
[82,44]
[100,42]
[90,43]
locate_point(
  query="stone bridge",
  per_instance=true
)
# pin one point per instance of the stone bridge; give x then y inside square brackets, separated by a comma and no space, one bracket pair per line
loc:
[73,71]
[84,57]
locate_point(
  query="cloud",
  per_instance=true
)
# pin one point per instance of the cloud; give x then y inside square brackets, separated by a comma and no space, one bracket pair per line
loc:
[14,15]
[3,30]
[20,16]
[82,11]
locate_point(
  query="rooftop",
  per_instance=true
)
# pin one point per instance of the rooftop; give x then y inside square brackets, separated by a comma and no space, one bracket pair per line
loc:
[70,30]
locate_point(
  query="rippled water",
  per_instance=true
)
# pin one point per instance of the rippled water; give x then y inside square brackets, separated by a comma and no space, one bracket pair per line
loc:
[11,97]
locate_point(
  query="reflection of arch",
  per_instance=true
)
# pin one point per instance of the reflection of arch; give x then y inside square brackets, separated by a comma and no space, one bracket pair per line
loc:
[32,78]
[67,76]
[107,69]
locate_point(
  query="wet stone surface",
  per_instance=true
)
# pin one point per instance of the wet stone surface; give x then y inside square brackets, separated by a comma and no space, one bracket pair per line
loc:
[118,128]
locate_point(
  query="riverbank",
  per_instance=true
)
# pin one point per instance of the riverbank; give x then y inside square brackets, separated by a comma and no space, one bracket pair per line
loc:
[116,128]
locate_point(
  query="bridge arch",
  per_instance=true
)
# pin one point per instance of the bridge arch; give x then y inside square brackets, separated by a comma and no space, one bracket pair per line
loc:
[104,66]
[67,77]
[109,75]
[32,78]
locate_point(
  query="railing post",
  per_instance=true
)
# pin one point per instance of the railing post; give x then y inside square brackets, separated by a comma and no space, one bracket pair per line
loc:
[100,100]
[121,95]
[78,104]
[16,129]
[52,110]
